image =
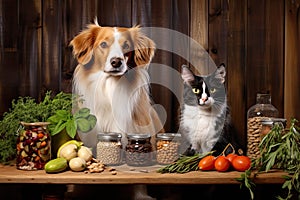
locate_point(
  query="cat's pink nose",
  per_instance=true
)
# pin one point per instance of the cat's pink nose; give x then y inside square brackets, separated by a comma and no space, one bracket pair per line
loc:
[202,100]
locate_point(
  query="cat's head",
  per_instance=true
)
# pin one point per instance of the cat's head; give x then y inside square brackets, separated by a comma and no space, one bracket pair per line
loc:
[205,91]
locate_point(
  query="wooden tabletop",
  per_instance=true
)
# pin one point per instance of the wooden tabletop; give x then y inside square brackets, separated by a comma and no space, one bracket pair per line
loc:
[129,175]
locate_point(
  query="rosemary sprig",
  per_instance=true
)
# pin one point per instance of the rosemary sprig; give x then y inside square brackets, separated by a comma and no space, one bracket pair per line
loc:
[184,164]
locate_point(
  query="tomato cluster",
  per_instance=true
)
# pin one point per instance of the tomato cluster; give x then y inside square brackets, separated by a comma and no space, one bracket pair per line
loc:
[223,163]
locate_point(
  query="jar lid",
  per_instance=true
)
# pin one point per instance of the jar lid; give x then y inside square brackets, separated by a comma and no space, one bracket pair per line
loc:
[109,136]
[266,121]
[271,121]
[34,123]
[167,136]
[138,135]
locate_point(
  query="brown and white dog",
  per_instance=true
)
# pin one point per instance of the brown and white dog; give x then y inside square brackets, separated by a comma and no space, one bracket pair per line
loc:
[112,77]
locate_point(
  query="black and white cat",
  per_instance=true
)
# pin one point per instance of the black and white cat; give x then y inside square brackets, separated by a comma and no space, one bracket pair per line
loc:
[205,120]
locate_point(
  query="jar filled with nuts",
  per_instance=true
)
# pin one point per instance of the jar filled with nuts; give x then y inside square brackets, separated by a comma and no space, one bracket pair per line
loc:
[109,148]
[167,146]
[138,150]
[263,109]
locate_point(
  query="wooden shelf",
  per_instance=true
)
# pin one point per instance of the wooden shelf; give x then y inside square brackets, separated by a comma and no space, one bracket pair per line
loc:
[128,175]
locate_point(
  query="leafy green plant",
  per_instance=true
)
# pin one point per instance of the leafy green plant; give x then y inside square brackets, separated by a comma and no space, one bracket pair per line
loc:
[279,149]
[81,120]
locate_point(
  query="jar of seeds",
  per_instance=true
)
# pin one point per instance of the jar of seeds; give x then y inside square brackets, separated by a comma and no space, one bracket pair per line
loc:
[138,150]
[262,110]
[109,148]
[167,145]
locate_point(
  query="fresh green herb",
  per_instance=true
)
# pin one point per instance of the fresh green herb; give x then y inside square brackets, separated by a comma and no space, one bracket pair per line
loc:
[184,164]
[81,120]
[278,149]
[246,181]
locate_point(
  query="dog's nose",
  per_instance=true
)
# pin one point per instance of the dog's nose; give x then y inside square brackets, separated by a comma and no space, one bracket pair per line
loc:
[116,62]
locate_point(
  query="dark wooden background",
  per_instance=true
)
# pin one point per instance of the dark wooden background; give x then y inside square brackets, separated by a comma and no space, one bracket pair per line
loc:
[258,40]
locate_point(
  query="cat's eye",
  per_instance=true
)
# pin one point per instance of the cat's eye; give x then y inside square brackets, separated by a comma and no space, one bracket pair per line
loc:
[196,90]
[213,90]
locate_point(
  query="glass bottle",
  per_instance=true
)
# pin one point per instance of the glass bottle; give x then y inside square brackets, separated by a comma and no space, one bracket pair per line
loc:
[138,150]
[167,147]
[33,146]
[109,148]
[262,110]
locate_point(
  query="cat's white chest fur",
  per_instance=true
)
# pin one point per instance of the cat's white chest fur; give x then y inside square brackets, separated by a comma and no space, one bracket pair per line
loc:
[199,128]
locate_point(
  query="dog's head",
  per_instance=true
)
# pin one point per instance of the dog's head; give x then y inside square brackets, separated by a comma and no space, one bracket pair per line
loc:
[113,50]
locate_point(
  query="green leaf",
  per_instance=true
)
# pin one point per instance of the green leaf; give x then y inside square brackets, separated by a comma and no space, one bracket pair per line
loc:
[53,119]
[71,128]
[83,112]
[58,128]
[63,114]
[286,184]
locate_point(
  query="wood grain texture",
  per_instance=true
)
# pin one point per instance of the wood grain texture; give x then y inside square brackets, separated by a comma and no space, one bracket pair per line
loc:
[236,77]
[9,174]
[292,60]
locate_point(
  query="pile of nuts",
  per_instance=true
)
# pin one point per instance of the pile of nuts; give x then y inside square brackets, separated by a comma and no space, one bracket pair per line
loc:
[109,152]
[167,151]
[253,136]
[96,166]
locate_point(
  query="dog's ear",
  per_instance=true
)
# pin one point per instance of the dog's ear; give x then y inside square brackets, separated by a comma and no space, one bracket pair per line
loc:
[144,47]
[84,42]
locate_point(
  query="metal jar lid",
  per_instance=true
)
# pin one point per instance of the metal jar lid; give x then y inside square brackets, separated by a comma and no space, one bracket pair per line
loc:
[109,136]
[168,136]
[272,121]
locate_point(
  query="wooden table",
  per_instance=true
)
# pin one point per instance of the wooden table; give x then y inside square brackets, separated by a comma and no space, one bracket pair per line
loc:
[129,175]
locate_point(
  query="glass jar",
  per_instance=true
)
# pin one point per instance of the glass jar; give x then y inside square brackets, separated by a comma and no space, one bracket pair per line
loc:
[167,147]
[33,146]
[268,123]
[138,150]
[109,148]
[263,109]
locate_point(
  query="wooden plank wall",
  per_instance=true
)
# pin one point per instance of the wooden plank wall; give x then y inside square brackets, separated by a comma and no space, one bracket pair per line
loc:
[292,59]
[258,40]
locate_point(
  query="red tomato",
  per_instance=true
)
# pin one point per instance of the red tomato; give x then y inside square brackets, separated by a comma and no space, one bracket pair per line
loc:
[241,163]
[207,163]
[231,156]
[222,164]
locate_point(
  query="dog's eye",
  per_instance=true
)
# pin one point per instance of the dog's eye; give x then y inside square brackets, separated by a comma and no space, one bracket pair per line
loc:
[125,45]
[103,44]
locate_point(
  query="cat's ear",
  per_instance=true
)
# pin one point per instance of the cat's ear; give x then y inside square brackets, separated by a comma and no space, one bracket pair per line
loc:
[186,74]
[221,73]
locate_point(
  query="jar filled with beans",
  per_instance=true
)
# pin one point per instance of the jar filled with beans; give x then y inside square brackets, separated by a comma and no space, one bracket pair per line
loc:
[33,146]
[262,110]
[109,148]
[167,146]
[138,150]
